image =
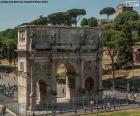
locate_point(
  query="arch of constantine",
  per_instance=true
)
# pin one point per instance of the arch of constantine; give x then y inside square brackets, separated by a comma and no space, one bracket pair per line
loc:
[55,62]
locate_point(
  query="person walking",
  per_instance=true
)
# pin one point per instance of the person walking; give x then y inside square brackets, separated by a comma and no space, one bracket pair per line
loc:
[3,110]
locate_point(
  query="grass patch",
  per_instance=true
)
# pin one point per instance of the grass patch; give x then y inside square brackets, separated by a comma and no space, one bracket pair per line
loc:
[135,112]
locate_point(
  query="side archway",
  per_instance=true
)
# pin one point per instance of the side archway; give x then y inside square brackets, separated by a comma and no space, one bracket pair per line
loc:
[42,93]
[66,75]
[89,84]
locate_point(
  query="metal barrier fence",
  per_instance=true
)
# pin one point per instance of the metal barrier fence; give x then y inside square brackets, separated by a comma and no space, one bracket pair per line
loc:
[16,108]
[73,105]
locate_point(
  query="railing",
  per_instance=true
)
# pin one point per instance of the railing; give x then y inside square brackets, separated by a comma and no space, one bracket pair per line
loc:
[74,105]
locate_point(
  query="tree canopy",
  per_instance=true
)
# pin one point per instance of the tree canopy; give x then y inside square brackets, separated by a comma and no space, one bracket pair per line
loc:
[76,14]
[125,17]
[40,21]
[112,40]
[91,22]
[107,11]
[119,38]
[84,22]
[8,38]
[66,18]
[8,43]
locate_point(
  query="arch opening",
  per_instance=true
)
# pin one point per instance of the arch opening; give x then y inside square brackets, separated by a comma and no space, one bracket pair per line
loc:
[89,84]
[41,92]
[66,74]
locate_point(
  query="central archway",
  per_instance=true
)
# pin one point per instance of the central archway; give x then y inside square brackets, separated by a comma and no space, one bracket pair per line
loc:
[66,76]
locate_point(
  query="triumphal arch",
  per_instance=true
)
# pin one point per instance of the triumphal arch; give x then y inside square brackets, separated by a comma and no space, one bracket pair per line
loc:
[57,62]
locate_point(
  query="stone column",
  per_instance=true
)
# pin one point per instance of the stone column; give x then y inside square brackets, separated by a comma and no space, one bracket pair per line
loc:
[96,77]
[53,76]
[100,86]
[67,88]
[77,85]
[82,75]
[53,79]
[78,77]
[33,90]
[100,72]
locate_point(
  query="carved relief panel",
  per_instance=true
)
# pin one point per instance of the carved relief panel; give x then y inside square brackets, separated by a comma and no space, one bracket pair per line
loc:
[21,36]
[42,68]
[90,67]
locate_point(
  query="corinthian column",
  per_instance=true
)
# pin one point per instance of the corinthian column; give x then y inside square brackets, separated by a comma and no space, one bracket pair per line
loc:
[82,75]
[33,90]
[53,80]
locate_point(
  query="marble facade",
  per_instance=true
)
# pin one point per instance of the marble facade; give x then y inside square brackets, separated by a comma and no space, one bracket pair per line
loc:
[42,49]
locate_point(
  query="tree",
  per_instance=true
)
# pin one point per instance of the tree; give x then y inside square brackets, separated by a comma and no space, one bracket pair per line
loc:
[123,18]
[40,21]
[125,56]
[6,36]
[135,36]
[9,33]
[1,46]
[84,22]
[91,22]
[66,18]
[112,40]
[75,15]
[135,25]
[11,45]
[126,22]
[108,11]
[59,18]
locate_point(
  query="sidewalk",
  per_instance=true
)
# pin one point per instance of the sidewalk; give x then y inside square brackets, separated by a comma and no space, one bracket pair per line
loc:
[6,114]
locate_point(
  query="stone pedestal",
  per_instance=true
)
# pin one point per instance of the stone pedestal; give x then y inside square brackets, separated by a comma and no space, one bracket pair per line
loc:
[32,106]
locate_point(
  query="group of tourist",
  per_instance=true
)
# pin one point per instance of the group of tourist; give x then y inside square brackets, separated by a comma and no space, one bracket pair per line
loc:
[3,75]
[7,82]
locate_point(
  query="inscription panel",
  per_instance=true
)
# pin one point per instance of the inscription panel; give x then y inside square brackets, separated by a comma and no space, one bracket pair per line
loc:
[63,38]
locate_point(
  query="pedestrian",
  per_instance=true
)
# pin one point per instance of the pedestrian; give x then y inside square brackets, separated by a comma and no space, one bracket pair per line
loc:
[114,106]
[92,103]
[134,97]
[3,110]
[75,111]
[108,105]
[33,114]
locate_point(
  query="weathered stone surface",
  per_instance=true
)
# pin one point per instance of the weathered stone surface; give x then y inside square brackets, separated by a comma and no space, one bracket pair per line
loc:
[41,49]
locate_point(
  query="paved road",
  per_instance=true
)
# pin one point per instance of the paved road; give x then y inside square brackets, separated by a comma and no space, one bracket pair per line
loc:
[5,100]
[10,104]
[6,114]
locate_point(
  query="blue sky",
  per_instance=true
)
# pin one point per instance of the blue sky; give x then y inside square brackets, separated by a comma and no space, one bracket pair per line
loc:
[12,15]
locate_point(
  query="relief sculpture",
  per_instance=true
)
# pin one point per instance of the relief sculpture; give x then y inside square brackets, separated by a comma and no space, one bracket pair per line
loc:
[22,36]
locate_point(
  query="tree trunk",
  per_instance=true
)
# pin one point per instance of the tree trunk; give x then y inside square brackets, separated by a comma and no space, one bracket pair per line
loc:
[113,74]
[14,65]
[113,67]
[107,17]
